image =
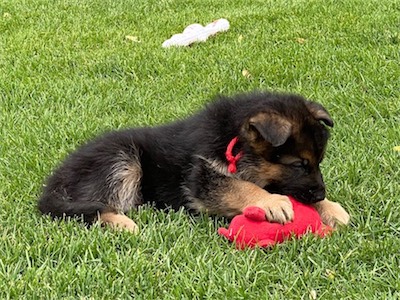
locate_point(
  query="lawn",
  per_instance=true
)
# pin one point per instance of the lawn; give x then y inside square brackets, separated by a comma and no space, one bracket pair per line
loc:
[69,72]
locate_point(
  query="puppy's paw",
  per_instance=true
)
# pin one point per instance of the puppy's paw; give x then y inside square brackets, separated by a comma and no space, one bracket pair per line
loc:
[278,208]
[119,222]
[332,213]
[127,224]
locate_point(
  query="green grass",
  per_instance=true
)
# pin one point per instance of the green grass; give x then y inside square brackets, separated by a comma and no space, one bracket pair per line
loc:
[67,73]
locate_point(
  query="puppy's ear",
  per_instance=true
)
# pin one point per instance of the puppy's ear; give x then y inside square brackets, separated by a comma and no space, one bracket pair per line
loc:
[271,127]
[319,113]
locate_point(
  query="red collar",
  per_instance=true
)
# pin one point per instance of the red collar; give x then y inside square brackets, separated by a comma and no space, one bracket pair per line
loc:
[232,160]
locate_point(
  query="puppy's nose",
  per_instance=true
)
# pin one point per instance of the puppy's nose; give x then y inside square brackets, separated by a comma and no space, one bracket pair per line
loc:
[319,194]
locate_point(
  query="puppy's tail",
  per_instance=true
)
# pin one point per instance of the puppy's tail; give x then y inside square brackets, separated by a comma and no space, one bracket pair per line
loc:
[59,208]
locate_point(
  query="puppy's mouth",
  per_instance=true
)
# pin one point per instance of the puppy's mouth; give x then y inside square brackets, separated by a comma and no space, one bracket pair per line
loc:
[306,197]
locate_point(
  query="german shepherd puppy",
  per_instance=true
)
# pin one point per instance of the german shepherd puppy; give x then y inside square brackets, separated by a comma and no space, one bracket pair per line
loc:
[252,149]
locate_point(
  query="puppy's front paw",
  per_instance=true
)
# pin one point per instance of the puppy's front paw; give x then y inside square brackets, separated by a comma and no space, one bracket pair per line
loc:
[278,208]
[332,213]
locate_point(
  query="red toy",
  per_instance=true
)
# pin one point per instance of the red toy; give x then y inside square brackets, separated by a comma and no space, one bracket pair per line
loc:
[251,229]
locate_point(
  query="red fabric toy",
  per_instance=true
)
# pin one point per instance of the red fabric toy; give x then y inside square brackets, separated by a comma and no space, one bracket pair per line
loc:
[251,229]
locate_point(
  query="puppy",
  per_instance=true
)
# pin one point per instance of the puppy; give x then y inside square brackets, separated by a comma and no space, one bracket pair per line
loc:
[252,149]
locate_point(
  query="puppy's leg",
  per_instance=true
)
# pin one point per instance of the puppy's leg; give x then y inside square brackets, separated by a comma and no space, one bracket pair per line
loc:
[212,191]
[332,213]
[241,194]
[118,221]
[124,185]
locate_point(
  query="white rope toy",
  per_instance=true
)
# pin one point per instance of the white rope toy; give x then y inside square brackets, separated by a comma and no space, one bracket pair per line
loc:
[196,33]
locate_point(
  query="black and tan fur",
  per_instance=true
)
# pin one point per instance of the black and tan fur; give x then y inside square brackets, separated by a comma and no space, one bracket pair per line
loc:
[282,138]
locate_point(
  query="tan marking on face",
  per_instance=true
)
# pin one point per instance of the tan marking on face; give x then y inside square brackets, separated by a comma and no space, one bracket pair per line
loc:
[267,172]
[289,159]
[308,155]
[260,147]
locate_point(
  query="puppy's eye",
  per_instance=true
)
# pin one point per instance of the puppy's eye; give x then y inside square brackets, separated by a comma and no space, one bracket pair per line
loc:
[297,164]
[300,163]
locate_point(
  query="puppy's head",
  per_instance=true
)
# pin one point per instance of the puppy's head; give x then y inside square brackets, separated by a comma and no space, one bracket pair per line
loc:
[289,138]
